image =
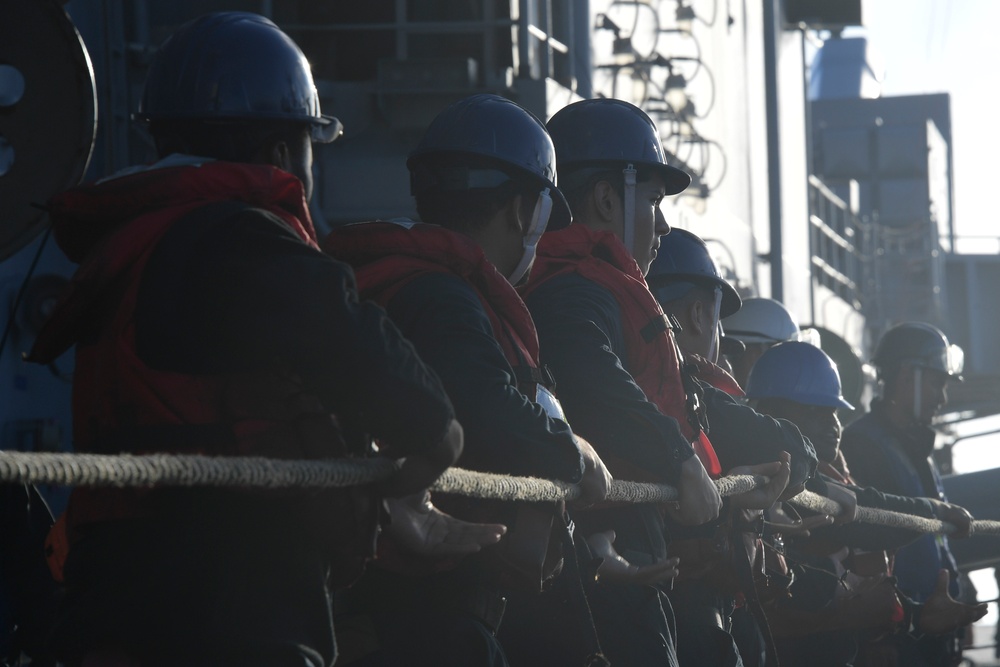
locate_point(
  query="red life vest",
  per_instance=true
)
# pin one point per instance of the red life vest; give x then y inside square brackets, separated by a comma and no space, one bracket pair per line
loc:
[713,374]
[120,403]
[387,256]
[652,357]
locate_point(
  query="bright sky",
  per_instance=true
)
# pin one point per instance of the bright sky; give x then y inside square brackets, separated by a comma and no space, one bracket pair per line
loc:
[934,46]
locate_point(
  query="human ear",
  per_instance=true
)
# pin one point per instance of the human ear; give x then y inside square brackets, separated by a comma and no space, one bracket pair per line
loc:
[279,155]
[605,200]
[697,314]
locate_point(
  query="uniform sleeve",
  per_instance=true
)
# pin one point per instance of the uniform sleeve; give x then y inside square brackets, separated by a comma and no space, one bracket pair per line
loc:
[505,430]
[579,330]
[872,497]
[865,459]
[870,536]
[245,293]
[742,436]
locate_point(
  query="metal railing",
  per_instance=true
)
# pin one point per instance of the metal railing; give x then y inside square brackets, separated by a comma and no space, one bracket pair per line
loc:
[839,245]
[529,38]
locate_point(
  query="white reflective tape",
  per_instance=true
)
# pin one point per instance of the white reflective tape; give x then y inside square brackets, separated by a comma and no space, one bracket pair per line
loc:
[549,402]
[713,349]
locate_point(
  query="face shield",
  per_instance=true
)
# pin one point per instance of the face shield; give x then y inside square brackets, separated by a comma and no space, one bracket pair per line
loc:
[326,132]
[948,359]
[539,219]
[952,361]
[808,335]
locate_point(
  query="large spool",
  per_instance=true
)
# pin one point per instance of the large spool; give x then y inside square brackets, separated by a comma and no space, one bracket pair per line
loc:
[48,115]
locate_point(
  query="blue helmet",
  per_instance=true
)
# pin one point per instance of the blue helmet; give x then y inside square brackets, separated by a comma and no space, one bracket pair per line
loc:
[682,260]
[611,133]
[492,131]
[798,372]
[234,66]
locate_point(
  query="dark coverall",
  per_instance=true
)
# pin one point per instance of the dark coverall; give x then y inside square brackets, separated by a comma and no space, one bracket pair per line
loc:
[579,329]
[28,594]
[741,436]
[220,577]
[417,619]
[898,462]
[816,582]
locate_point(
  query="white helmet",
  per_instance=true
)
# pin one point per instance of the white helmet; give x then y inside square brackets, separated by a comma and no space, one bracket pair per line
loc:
[763,320]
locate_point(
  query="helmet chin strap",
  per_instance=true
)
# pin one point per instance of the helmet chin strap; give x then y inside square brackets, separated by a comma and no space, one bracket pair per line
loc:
[713,349]
[539,219]
[629,223]
[917,391]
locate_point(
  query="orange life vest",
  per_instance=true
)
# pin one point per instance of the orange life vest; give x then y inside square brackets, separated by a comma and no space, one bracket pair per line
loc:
[651,353]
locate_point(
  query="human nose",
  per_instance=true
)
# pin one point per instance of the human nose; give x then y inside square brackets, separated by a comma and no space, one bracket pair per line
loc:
[660,223]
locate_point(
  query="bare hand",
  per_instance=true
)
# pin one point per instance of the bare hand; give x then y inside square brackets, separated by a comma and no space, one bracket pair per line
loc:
[779,521]
[419,527]
[763,497]
[846,499]
[419,471]
[615,569]
[699,500]
[596,480]
[867,602]
[955,515]
[942,614]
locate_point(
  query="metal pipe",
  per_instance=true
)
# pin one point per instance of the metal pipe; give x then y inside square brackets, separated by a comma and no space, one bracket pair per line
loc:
[771,17]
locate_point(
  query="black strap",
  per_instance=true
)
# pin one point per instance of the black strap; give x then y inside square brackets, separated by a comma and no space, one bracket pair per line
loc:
[697,412]
[594,656]
[525,375]
[744,574]
[658,325]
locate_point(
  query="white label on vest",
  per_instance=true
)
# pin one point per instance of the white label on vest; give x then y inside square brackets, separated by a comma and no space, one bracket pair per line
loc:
[549,403]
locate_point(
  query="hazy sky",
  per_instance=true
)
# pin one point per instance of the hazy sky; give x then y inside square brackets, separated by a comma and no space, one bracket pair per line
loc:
[952,46]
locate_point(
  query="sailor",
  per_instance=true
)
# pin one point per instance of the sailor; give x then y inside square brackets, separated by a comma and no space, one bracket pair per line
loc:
[483,176]
[687,283]
[612,350]
[890,448]
[207,321]
[799,382]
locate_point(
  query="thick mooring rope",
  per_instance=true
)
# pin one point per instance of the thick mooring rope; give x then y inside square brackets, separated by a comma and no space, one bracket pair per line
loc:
[251,472]
[817,503]
[192,470]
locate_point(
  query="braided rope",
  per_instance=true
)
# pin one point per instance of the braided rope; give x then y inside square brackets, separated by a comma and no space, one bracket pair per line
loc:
[173,470]
[818,503]
[503,487]
[890,519]
[193,470]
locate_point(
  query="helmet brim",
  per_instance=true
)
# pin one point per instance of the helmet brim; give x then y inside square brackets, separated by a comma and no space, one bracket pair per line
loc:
[676,180]
[661,285]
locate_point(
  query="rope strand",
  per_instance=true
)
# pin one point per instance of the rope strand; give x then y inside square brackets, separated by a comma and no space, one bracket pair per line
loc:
[251,472]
